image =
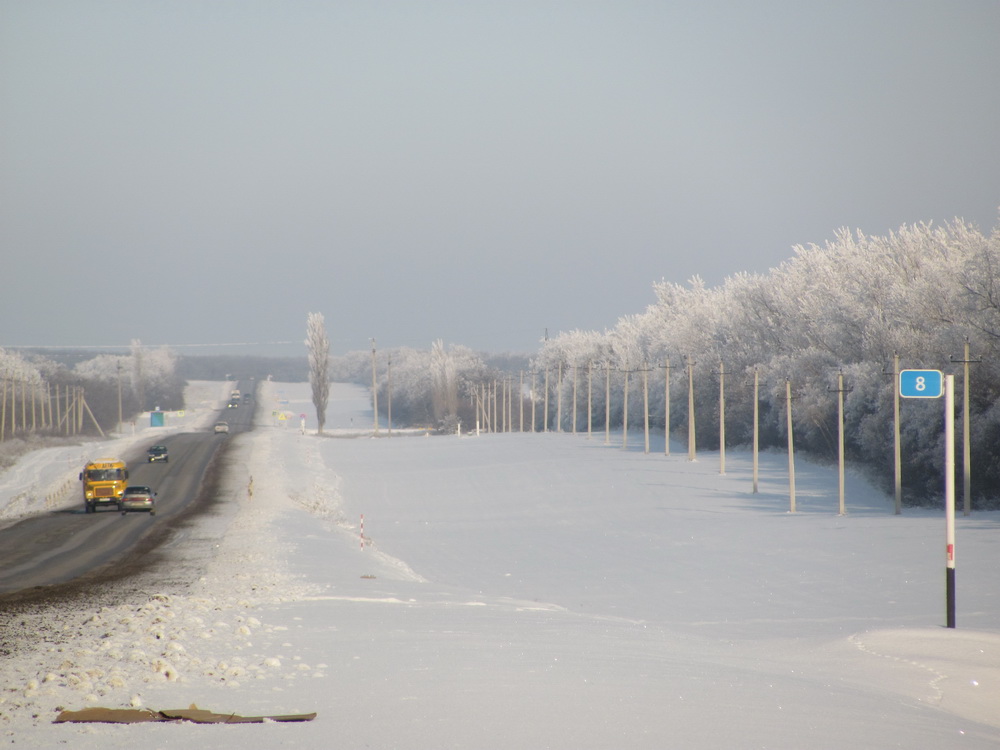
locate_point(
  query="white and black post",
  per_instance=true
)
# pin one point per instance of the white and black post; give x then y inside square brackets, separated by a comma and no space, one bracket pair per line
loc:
[949,494]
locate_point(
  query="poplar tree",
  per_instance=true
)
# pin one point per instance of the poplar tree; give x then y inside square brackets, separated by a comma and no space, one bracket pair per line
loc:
[318,345]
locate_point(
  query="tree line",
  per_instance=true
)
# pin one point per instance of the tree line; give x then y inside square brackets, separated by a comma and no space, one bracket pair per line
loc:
[42,397]
[834,323]
[850,312]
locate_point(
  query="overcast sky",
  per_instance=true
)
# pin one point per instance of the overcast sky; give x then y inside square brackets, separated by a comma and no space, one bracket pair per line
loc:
[193,173]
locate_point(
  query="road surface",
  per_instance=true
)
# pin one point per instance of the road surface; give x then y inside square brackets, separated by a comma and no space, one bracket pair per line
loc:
[66,544]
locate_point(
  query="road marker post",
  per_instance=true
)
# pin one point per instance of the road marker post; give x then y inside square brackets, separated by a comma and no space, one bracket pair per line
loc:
[932,384]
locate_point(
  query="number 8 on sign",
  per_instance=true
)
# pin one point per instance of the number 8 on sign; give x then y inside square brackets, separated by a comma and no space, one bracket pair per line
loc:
[921,383]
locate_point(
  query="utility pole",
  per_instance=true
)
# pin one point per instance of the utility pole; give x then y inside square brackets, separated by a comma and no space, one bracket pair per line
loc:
[691,437]
[374,388]
[545,409]
[966,437]
[119,368]
[791,446]
[607,402]
[625,413]
[559,397]
[520,401]
[756,426]
[590,398]
[666,407]
[722,417]
[502,418]
[645,401]
[510,402]
[534,394]
[575,376]
[840,436]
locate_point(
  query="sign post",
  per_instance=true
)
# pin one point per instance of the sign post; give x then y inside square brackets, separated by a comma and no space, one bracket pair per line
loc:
[949,496]
[932,384]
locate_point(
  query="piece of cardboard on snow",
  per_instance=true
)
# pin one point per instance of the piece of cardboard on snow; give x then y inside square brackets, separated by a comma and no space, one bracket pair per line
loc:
[193,714]
[201,716]
[110,715]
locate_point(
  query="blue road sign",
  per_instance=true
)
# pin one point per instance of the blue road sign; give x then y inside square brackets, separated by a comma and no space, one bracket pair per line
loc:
[921,383]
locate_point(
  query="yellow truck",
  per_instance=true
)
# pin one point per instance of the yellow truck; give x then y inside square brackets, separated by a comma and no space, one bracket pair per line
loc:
[104,482]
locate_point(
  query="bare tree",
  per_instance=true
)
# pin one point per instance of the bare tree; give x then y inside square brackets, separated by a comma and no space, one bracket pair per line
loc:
[319,365]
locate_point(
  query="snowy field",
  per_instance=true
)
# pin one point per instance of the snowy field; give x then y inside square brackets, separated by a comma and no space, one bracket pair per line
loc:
[527,590]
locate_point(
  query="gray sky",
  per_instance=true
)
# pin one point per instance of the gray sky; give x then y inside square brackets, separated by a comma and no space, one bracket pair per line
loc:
[210,172]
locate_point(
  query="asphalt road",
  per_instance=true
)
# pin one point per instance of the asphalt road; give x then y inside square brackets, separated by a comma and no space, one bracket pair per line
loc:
[64,545]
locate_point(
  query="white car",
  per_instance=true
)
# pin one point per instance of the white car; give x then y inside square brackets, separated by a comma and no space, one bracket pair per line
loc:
[138,497]
[222,427]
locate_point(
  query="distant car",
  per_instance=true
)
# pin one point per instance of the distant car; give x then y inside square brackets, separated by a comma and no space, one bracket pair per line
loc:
[138,497]
[157,453]
[234,404]
[222,427]
[246,398]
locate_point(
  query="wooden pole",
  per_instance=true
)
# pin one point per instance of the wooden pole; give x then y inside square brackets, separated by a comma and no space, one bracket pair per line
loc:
[691,435]
[559,381]
[840,438]
[534,394]
[520,401]
[666,407]
[645,402]
[722,418]
[625,414]
[756,426]
[791,447]
[575,378]
[545,406]
[374,389]
[590,398]
[92,417]
[3,412]
[607,403]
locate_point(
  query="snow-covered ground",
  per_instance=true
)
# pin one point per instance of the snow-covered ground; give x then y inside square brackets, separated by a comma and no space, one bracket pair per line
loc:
[529,590]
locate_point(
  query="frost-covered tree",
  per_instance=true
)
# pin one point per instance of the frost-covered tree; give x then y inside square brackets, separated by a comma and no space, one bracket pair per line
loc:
[138,373]
[851,305]
[318,345]
[142,380]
